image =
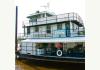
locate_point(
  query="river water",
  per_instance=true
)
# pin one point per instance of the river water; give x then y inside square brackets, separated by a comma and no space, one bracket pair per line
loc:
[44,65]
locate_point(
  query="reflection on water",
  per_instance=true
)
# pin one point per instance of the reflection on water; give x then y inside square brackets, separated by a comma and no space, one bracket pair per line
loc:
[43,65]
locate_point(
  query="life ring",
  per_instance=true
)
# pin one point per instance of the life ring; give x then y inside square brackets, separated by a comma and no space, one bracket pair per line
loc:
[59,53]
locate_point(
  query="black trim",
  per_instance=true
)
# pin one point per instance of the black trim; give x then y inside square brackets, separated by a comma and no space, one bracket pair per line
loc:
[55,58]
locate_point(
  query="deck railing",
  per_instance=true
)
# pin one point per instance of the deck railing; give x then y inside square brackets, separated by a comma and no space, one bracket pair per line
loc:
[55,19]
[54,34]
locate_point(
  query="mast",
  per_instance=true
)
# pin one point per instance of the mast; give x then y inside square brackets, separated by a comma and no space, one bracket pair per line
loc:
[16,22]
[46,7]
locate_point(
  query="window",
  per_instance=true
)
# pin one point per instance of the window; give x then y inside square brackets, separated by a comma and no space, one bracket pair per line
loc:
[48,29]
[73,27]
[67,26]
[43,15]
[59,26]
[32,19]
[28,30]
[36,29]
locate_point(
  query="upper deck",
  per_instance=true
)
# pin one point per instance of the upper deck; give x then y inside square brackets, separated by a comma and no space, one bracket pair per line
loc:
[74,17]
[42,26]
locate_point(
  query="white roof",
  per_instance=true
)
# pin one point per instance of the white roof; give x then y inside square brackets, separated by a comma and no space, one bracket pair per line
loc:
[71,39]
[52,13]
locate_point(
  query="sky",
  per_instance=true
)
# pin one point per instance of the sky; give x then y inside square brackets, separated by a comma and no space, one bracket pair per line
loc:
[27,7]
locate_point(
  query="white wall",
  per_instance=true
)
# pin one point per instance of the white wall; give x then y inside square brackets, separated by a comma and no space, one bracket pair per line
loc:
[30,46]
[70,45]
[54,27]
[25,30]
[31,30]
[66,46]
[63,26]
[42,28]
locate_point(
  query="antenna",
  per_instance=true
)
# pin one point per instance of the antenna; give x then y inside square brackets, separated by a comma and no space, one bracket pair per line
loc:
[46,7]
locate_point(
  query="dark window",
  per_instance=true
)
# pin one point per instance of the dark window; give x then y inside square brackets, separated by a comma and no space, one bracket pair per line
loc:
[67,26]
[59,26]
[33,20]
[48,29]
[28,30]
[36,29]
[44,15]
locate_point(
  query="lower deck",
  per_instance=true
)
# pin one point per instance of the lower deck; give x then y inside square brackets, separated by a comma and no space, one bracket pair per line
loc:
[64,52]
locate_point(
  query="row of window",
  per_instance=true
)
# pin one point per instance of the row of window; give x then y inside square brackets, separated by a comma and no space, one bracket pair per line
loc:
[48,28]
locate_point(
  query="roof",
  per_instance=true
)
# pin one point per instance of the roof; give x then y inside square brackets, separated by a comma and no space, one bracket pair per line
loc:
[39,13]
[71,39]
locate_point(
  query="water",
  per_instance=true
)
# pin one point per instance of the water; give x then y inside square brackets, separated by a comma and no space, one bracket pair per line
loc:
[43,65]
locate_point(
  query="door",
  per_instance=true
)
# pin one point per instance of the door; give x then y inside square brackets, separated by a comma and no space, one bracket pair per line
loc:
[67,29]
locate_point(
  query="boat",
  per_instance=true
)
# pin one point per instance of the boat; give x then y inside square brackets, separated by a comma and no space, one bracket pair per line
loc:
[51,37]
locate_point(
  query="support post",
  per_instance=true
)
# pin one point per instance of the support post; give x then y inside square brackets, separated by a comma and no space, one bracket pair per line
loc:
[16,19]
[71,32]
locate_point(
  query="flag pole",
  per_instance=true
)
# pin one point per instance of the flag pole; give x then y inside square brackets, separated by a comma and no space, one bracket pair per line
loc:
[16,22]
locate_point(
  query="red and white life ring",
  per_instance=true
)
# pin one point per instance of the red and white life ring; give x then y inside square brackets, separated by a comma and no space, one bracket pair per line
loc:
[58,45]
[59,52]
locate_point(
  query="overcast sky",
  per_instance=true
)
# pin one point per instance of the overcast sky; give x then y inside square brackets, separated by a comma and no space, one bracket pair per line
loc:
[27,7]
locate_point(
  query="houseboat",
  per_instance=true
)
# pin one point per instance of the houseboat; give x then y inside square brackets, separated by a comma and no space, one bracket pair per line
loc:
[52,37]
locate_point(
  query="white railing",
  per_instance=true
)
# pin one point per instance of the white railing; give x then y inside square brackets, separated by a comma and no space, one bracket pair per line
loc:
[58,18]
[55,34]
